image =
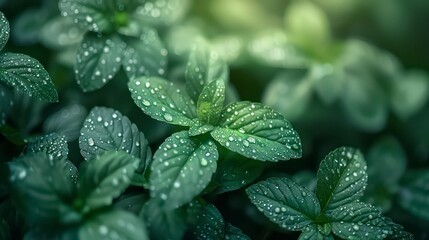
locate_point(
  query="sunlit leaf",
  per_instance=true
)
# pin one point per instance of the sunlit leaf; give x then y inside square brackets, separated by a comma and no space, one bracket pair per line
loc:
[359,220]
[210,102]
[26,74]
[98,59]
[285,203]
[341,178]
[106,129]
[204,66]
[144,55]
[163,100]
[182,167]
[256,131]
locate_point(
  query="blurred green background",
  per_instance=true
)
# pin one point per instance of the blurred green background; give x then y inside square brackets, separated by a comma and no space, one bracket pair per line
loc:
[343,72]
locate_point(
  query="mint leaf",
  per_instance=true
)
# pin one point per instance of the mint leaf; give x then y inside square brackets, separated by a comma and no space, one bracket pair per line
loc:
[144,55]
[204,66]
[341,178]
[198,129]
[210,224]
[182,167]
[106,129]
[105,177]
[163,223]
[98,59]
[256,131]
[312,232]
[91,15]
[210,102]
[27,75]
[54,145]
[398,232]
[413,195]
[113,224]
[4,30]
[359,221]
[163,100]
[234,233]
[234,172]
[43,188]
[285,203]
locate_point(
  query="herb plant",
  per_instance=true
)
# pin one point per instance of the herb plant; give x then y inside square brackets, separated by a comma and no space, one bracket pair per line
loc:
[187,119]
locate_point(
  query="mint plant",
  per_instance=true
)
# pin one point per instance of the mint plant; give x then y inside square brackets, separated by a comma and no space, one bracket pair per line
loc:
[23,72]
[184,164]
[51,192]
[334,209]
[117,36]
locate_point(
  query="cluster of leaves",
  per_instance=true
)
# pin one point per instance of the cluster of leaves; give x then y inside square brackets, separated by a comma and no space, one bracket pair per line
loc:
[334,208]
[122,191]
[21,72]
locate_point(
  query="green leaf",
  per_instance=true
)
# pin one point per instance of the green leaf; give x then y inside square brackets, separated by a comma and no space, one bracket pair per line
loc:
[98,59]
[341,178]
[54,145]
[113,224]
[410,93]
[386,162]
[4,30]
[162,223]
[210,102]
[413,195]
[182,167]
[105,177]
[199,129]
[96,16]
[312,233]
[256,131]
[234,233]
[43,188]
[163,100]
[306,178]
[106,129]
[398,232]
[27,75]
[204,66]
[210,224]
[358,221]
[235,172]
[145,55]
[67,121]
[289,93]
[285,203]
